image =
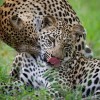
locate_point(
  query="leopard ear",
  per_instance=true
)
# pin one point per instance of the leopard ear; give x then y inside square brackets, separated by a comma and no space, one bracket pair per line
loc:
[49,21]
[16,22]
[77,31]
[44,22]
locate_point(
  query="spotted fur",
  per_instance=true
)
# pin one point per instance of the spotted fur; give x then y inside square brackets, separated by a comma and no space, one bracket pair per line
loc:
[74,70]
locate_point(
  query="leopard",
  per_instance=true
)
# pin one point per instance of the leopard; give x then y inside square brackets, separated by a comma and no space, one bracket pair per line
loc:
[74,68]
[17,28]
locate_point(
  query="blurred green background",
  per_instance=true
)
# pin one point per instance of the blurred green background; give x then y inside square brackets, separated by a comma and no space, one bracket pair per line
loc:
[89,13]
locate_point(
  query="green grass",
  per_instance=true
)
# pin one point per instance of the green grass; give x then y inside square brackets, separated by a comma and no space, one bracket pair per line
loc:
[89,13]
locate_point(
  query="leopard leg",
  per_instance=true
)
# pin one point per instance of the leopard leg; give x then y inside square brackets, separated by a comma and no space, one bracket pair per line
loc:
[11,88]
[14,74]
[25,68]
[23,72]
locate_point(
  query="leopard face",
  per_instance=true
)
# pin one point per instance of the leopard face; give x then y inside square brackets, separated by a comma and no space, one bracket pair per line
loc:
[57,39]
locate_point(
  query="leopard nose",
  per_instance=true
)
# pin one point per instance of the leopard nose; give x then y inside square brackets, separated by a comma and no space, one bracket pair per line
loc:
[58,55]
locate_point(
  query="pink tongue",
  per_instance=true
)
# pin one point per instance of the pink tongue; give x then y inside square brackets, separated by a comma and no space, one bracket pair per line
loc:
[54,60]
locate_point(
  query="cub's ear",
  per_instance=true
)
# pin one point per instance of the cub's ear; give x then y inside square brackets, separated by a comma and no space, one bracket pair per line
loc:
[49,21]
[16,22]
[45,22]
[77,31]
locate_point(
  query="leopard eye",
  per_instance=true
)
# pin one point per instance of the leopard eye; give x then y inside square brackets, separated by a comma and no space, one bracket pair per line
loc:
[52,39]
[49,43]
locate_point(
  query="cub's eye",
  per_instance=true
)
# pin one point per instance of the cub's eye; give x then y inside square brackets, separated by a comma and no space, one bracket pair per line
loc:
[49,44]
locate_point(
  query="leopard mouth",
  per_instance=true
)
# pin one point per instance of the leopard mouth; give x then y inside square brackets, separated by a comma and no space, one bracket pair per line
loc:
[50,59]
[54,61]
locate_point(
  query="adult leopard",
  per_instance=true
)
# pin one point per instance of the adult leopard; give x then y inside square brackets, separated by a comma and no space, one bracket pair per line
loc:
[17,27]
[74,68]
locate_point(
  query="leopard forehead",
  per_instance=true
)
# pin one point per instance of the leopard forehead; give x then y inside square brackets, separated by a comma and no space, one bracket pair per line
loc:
[59,31]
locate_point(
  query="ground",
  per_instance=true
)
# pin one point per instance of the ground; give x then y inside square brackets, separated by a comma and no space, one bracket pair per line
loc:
[89,14]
